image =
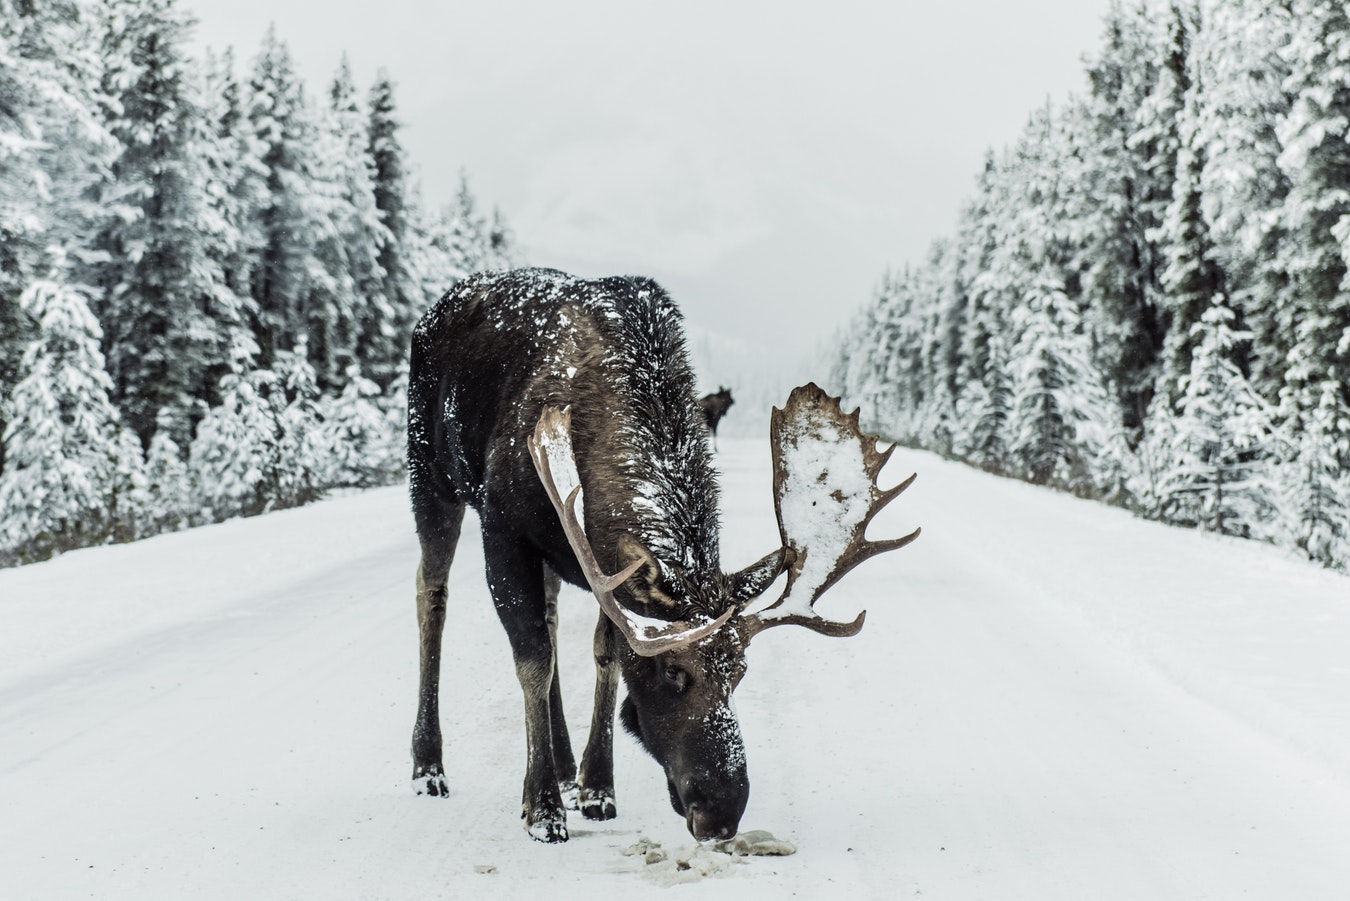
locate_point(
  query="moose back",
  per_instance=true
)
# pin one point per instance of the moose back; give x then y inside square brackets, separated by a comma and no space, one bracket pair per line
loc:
[563,410]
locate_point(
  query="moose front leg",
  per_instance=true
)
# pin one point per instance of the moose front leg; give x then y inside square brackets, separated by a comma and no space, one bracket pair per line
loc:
[515,578]
[563,760]
[596,796]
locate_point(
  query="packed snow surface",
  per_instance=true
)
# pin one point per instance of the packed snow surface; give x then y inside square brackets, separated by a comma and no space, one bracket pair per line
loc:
[1049,700]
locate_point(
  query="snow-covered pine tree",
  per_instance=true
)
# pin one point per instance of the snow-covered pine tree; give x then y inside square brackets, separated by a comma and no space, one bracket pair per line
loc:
[359,447]
[881,340]
[983,409]
[1192,277]
[73,475]
[1149,471]
[1042,442]
[1156,143]
[329,300]
[1316,159]
[234,454]
[501,238]
[234,191]
[261,448]
[1116,189]
[299,465]
[853,360]
[394,406]
[53,151]
[1028,279]
[168,488]
[982,389]
[161,281]
[896,390]
[470,241]
[1241,185]
[1045,407]
[283,127]
[20,173]
[383,340]
[1157,137]
[362,231]
[1220,475]
[1314,477]
[941,282]
[1058,399]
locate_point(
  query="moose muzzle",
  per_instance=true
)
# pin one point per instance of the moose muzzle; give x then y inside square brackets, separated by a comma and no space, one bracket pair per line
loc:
[708,782]
[711,805]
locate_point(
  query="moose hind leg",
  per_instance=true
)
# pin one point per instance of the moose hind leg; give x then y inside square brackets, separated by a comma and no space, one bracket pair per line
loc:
[563,761]
[596,794]
[438,531]
[516,578]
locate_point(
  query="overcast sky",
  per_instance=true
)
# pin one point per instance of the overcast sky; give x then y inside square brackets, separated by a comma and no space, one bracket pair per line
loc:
[765,161]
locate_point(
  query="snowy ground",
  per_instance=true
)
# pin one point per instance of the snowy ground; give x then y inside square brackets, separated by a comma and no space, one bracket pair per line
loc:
[1049,700]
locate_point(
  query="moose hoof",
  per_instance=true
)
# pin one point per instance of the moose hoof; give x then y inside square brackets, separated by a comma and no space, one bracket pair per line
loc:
[549,830]
[430,781]
[597,805]
[569,792]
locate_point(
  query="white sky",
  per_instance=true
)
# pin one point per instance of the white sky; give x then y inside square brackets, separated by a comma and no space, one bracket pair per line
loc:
[765,161]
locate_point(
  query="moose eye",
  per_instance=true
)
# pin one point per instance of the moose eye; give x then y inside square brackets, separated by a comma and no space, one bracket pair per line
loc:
[675,677]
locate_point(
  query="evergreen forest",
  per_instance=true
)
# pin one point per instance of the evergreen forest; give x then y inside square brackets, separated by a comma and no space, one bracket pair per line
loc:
[208,277]
[1146,299]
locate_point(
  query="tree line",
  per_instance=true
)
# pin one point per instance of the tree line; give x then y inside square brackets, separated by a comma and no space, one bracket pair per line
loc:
[1146,300]
[207,279]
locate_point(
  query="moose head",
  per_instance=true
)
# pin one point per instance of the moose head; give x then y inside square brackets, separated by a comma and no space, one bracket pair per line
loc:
[685,639]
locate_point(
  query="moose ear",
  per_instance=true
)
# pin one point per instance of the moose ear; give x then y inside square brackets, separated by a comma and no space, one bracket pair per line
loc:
[755,579]
[645,583]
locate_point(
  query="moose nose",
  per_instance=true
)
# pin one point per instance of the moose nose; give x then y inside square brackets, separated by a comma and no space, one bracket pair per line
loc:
[704,823]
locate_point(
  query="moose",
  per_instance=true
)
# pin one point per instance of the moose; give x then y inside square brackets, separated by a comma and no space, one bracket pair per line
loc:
[714,407]
[563,410]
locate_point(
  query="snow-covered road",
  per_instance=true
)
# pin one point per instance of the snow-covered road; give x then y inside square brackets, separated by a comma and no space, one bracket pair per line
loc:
[1049,700]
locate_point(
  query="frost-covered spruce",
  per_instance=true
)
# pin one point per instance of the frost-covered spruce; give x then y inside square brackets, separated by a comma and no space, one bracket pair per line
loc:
[54,149]
[1059,407]
[168,487]
[259,449]
[1219,460]
[345,311]
[359,445]
[235,451]
[160,277]
[73,474]
[1315,158]
[1313,480]
[300,462]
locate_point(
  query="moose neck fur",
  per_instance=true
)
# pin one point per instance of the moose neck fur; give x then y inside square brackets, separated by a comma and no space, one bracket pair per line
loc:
[644,464]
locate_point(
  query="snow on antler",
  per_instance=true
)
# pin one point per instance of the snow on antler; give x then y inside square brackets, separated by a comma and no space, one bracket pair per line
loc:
[825,471]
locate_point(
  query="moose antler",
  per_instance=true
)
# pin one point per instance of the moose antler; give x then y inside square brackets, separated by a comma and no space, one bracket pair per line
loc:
[825,493]
[551,449]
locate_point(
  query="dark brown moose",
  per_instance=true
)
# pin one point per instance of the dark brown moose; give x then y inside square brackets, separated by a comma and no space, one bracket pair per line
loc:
[563,411]
[714,407]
